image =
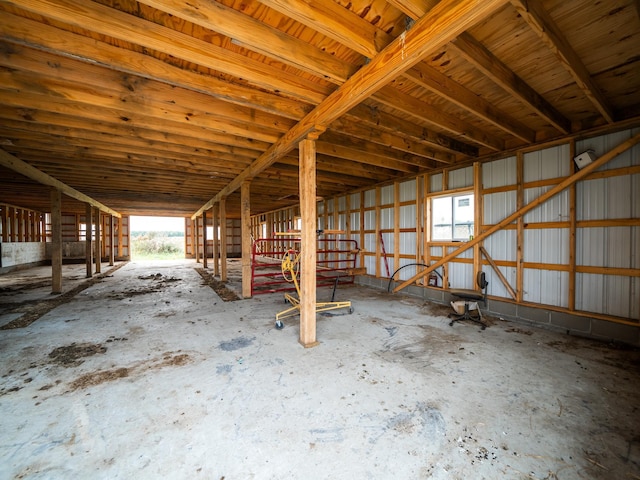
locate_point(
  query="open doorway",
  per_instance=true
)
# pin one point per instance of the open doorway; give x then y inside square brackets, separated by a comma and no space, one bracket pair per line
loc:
[157,238]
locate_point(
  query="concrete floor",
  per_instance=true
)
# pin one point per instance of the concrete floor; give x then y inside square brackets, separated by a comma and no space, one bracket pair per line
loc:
[147,373]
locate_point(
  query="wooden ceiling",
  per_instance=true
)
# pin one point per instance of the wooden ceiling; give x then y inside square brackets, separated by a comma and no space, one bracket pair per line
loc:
[155,107]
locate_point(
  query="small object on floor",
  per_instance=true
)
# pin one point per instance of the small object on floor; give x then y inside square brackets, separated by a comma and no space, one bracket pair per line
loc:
[468,302]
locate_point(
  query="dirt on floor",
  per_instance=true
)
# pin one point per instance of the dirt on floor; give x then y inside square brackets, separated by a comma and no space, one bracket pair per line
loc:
[219,287]
[34,310]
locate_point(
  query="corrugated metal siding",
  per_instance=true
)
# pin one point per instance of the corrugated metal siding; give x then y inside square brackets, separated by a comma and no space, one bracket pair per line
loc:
[408,191]
[386,195]
[495,287]
[551,162]
[407,243]
[355,221]
[386,218]
[604,143]
[354,201]
[463,177]
[556,209]
[502,245]
[369,198]
[408,217]
[550,245]
[547,287]
[435,183]
[498,206]
[499,173]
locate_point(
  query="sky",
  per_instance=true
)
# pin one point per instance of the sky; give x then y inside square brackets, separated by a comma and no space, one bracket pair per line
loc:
[157,224]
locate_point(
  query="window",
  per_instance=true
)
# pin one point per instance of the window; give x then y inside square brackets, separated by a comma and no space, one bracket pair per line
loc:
[452,217]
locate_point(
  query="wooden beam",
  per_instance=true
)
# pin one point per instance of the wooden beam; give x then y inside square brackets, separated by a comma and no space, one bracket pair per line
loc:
[204,240]
[245,215]
[120,25]
[543,25]
[527,208]
[88,239]
[216,240]
[308,238]
[476,54]
[255,35]
[500,275]
[484,60]
[431,79]
[23,168]
[56,241]
[223,238]
[20,30]
[112,247]
[447,20]
[98,242]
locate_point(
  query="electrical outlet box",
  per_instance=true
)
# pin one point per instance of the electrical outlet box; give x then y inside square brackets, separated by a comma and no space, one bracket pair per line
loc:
[585,158]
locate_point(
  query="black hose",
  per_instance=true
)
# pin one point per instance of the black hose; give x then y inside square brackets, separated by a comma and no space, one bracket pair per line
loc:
[411,265]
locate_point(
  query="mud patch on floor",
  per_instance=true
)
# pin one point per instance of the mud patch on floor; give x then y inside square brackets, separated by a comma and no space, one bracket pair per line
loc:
[219,287]
[159,283]
[168,359]
[72,355]
[38,309]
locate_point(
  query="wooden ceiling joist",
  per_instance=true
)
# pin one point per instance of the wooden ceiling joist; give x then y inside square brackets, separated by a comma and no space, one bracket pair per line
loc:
[447,20]
[9,161]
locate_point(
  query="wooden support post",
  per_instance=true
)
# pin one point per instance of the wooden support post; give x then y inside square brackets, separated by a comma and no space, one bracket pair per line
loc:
[216,240]
[308,212]
[196,244]
[573,224]
[379,254]
[56,241]
[204,239]
[88,233]
[120,240]
[519,227]
[477,220]
[396,226]
[112,247]
[567,182]
[5,223]
[245,213]
[98,241]
[223,239]
[362,234]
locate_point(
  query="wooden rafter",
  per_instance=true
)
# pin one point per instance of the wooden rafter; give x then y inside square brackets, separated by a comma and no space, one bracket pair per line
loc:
[540,21]
[448,19]
[9,161]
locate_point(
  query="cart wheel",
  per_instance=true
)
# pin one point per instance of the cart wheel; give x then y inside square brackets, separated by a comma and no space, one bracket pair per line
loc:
[279,325]
[451,324]
[350,310]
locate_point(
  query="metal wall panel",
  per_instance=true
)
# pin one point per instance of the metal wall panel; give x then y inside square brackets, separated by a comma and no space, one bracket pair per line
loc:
[370,220]
[384,266]
[604,143]
[556,209]
[435,183]
[342,203]
[462,177]
[461,275]
[370,264]
[386,195]
[354,201]
[548,287]
[369,198]
[551,162]
[408,191]
[407,217]
[498,206]
[496,287]
[386,218]
[550,245]
[407,243]
[355,221]
[389,244]
[502,245]
[499,173]
[615,247]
